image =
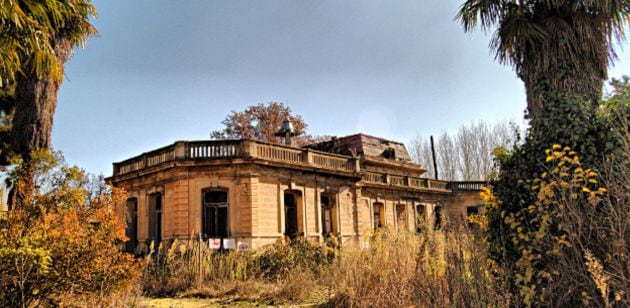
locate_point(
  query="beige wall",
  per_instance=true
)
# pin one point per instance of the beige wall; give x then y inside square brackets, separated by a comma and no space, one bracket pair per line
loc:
[256,199]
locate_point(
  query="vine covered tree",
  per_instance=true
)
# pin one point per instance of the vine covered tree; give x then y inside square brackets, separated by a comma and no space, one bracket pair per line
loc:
[535,234]
[559,46]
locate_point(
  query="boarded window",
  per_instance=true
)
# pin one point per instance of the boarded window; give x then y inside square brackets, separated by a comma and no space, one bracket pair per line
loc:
[215,214]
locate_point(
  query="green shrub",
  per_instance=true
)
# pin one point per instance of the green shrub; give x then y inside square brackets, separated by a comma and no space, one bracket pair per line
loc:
[537,207]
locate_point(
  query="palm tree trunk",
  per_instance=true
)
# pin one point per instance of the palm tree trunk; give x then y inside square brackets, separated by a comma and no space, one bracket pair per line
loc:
[35,104]
[580,82]
[563,64]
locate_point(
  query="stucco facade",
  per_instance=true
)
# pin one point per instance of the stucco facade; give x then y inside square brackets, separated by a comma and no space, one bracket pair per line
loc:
[256,193]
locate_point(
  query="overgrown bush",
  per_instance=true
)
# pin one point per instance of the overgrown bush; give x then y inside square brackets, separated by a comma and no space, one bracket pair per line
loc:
[66,241]
[184,266]
[281,260]
[550,216]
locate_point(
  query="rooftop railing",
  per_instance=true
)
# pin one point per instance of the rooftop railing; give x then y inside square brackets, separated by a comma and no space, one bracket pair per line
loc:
[222,149]
[408,181]
[467,185]
[217,149]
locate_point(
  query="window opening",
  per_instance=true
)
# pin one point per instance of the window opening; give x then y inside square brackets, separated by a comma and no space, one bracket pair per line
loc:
[437,213]
[291,213]
[329,214]
[131,224]
[379,215]
[155,219]
[215,214]
[401,216]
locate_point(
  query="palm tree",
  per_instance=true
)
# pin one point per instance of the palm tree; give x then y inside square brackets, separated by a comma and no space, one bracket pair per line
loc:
[563,46]
[36,40]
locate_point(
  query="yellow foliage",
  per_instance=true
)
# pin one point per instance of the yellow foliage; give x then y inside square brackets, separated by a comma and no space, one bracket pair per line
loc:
[539,232]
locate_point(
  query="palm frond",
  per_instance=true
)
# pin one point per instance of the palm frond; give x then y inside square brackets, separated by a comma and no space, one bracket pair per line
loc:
[28,29]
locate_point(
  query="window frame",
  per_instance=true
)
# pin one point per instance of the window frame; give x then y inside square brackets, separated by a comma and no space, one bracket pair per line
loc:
[131,224]
[381,215]
[155,221]
[297,204]
[215,206]
[402,218]
[330,207]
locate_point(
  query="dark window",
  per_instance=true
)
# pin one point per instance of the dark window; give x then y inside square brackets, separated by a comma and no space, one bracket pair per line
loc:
[379,215]
[291,208]
[390,153]
[215,214]
[437,215]
[131,224]
[155,219]
[472,210]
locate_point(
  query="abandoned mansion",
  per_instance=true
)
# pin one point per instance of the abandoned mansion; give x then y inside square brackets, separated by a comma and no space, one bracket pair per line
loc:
[247,193]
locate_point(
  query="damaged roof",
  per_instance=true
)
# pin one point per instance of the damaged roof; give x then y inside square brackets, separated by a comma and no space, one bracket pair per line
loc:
[366,145]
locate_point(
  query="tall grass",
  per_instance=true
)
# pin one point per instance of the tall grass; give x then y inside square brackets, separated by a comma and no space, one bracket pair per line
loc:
[435,268]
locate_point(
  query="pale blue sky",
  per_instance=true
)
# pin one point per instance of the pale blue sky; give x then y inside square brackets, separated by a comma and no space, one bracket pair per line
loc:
[163,70]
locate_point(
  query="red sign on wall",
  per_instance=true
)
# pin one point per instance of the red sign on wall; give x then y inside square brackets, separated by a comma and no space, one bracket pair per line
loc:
[214,243]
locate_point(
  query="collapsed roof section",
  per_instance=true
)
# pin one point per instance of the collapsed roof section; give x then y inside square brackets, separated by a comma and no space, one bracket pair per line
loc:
[365,145]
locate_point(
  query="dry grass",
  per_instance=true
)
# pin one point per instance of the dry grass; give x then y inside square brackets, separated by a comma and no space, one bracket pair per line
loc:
[128,297]
[436,268]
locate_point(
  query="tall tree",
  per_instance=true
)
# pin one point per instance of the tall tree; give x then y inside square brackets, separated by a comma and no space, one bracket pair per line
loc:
[36,40]
[467,155]
[261,122]
[560,46]
[448,161]
[420,150]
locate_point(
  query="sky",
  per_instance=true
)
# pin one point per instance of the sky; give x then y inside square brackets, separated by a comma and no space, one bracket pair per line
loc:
[165,70]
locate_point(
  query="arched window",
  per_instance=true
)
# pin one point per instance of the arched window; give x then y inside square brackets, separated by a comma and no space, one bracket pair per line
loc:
[131,224]
[389,153]
[329,213]
[378,214]
[155,219]
[215,213]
